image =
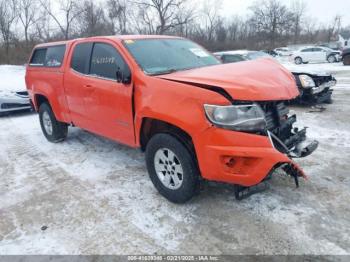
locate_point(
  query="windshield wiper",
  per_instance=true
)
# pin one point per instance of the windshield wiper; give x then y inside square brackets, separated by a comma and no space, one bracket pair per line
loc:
[168,71]
[172,70]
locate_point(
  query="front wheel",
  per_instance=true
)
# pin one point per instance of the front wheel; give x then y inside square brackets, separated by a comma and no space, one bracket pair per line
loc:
[332,59]
[298,60]
[172,168]
[53,130]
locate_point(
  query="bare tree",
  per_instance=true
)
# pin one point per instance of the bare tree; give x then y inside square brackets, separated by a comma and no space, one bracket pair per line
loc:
[160,16]
[92,19]
[271,19]
[298,9]
[8,14]
[42,26]
[68,9]
[27,15]
[334,27]
[210,18]
[117,13]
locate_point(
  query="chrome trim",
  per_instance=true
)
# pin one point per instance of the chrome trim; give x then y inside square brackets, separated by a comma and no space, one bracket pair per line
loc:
[95,76]
[279,141]
[319,89]
[270,138]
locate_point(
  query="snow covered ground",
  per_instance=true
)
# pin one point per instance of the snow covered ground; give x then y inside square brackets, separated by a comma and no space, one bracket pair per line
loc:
[12,78]
[95,197]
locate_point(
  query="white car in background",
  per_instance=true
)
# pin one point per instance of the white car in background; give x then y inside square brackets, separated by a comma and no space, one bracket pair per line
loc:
[14,102]
[315,54]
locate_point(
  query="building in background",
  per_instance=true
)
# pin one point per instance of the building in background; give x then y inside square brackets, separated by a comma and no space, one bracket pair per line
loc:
[344,40]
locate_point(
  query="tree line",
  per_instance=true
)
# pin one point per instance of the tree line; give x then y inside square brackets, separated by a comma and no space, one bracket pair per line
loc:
[268,24]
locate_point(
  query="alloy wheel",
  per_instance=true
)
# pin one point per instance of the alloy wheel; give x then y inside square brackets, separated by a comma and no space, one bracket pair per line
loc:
[168,168]
[47,123]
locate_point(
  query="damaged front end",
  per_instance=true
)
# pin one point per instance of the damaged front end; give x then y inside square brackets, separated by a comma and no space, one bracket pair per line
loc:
[285,138]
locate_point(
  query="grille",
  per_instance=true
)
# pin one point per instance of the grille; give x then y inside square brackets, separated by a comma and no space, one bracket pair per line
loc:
[280,123]
[276,114]
[319,80]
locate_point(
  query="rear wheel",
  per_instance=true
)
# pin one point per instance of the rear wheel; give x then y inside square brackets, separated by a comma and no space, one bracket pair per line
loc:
[172,168]
[298,60]
[53,130]
[346,60]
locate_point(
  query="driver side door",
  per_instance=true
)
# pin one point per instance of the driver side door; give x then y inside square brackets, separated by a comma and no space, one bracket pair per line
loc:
[108,103]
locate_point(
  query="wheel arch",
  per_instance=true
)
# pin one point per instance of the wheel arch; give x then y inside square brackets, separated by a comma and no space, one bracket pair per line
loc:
[40,98]
[152,126]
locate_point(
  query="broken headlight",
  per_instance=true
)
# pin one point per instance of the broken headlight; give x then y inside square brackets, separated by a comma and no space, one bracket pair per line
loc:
[237,117]
[306,81]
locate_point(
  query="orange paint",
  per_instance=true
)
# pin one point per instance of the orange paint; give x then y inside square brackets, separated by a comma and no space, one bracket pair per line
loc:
[116,110]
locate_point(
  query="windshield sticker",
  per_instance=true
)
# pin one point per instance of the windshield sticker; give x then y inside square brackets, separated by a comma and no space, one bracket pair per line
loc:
[199,52]
[129,41]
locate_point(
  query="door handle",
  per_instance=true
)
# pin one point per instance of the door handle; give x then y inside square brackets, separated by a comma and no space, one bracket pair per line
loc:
[88,87]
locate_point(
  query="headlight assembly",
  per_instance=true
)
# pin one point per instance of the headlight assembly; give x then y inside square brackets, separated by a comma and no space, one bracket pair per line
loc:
[250,118]
[306,81]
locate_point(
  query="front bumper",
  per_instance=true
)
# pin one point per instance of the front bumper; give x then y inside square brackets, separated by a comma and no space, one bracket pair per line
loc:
[246,159]
[317,95]
[247,163]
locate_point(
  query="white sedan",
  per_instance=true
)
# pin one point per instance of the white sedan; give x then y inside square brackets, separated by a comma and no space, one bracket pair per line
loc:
[315,54]
[14,101]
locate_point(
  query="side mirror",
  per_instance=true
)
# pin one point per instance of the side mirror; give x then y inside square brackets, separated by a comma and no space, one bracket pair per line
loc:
[123,77]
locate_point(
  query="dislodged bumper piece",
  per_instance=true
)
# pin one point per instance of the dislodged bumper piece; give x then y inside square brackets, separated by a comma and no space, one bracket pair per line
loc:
[291,169]
[301,146]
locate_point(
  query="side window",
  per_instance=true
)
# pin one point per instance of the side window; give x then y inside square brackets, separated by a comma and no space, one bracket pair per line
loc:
[54,56]
[232,58]
[81,57]
[346,43]
[48,56]
[38,58]
[307,50]
[105,61]
[317,49]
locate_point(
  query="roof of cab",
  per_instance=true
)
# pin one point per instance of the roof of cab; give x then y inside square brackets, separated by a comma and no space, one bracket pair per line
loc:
[112,37]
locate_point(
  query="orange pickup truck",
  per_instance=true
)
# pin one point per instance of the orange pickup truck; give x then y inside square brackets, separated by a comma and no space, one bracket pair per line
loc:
[194,117]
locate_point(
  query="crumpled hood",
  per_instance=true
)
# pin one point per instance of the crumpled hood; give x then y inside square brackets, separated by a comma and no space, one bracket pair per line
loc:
[257,80]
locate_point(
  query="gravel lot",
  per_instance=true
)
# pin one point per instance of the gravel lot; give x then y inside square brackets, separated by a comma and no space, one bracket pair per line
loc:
[90,195]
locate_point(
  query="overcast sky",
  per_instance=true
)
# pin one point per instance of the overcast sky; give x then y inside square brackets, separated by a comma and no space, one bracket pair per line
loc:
[322,10]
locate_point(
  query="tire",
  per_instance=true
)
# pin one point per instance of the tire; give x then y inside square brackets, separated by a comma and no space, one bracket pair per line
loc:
[167,159]
[346,60]
[331,59]
[298,60]
[329,101]
[53,130]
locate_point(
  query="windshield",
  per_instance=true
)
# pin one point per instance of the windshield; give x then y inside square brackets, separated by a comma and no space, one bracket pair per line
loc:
[163,56]
[256,55]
